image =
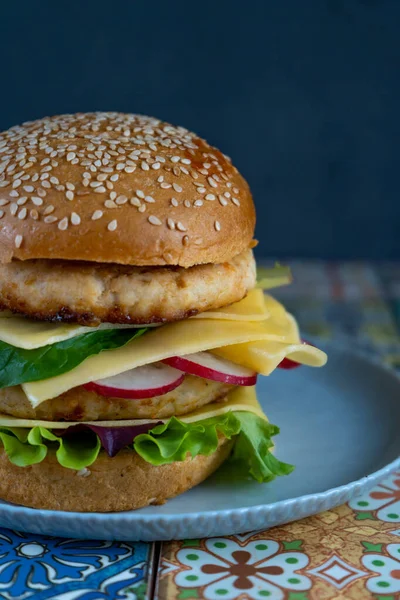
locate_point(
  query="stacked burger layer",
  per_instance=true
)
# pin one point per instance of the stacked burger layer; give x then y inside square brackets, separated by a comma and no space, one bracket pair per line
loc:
[133,330]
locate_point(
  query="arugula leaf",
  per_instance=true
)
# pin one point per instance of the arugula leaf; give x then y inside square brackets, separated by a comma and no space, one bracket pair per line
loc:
[18,365]
[166,443]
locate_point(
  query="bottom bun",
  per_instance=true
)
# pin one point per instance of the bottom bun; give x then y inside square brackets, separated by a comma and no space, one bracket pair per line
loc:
[125,482]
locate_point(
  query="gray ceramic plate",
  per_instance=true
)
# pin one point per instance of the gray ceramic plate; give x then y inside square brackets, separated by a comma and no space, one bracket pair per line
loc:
[339,426]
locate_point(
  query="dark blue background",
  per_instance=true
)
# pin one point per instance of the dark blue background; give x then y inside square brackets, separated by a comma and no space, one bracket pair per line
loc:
[303,94]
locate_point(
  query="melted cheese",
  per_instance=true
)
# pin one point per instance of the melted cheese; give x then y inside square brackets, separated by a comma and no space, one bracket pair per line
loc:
[174,339]
[30,334]
[239,399]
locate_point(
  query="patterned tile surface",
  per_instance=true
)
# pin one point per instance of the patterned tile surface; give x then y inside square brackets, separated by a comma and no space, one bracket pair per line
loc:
[34,567]
[352,552]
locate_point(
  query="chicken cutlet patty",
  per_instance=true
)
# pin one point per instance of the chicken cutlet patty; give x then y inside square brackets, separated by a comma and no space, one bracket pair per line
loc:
[90,293]
[80,404]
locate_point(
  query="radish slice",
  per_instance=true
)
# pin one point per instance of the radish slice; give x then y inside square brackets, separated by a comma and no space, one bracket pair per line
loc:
[288,363]
[143,382]
[209,366]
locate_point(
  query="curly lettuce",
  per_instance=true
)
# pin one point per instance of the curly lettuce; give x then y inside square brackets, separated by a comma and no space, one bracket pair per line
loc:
[165,443]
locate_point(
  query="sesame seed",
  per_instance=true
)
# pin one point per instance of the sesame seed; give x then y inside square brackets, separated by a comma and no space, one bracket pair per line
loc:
[22,213]
[70,186]
[177,187]
[140,194]
[112,226]
[194,174]
[184,170]
[18,241]
[4,202]
[154,220]
[41,192]
[85,182]
[135,201]
[21,201]
[206,165]
[14,209]
[121,199]
[71,156]
[97,215]
[210,197]
[1,214]
[170,224]
[180,226]
[156,166]
[142,208]
[100,190]
[160,179]
[187,203]
[63,224]
[185,240]
[175,159]
[15,184]
[114,177]
[50,219]
[36,200]
[144,166]
[235,190]
[176,171]
[33,213]
[45,184]
[69,195]
[201,190]
[222,200]
[49,209]
[13,194]
[212,182]
[227,195]
[203,171]
[236,201]
[174,202]
[130,169]
[198,203]
[217,225]
[165,185]
[113,195]
[110,204]
[75,218]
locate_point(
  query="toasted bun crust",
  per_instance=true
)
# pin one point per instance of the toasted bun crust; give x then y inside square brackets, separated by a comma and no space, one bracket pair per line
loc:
[125,482]
[120,188]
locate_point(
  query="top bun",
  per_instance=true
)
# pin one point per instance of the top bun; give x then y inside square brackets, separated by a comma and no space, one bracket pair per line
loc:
[120,188]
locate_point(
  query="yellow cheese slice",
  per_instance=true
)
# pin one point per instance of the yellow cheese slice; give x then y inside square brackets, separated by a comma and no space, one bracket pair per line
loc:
[30,334]
[240,399]
[252,308]
[265,355]
[174,339]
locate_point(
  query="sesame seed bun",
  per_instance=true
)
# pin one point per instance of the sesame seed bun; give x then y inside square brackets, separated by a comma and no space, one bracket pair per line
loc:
[125,482]
[119,188]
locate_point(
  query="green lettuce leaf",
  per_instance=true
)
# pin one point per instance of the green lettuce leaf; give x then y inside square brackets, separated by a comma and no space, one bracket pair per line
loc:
[165,443]
[268,278]
[26,447]
[18,365]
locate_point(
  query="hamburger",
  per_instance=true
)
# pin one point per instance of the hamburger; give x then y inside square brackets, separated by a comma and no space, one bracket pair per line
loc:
[132,324]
